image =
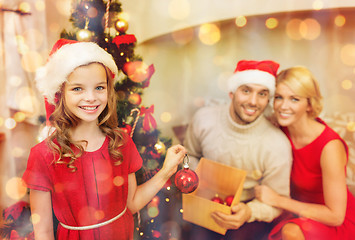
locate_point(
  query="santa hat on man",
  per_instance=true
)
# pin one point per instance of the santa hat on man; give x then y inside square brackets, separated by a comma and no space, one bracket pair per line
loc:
[65,57]
[254,72]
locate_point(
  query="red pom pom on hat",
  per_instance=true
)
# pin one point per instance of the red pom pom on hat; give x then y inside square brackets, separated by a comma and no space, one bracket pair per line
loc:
[254,72]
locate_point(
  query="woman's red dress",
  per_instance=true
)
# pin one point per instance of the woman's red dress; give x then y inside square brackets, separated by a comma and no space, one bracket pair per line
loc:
[94,193]
[306,186]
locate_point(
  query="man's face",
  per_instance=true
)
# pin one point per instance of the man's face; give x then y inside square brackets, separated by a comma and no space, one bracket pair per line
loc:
[248,103]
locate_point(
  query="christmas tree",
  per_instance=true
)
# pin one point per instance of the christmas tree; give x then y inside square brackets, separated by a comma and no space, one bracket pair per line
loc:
[102,22]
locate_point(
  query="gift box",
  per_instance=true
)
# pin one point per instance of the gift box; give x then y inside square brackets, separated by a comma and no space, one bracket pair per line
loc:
[214,178]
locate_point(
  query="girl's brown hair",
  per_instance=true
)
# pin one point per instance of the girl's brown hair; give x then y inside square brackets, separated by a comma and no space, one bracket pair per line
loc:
[63,120]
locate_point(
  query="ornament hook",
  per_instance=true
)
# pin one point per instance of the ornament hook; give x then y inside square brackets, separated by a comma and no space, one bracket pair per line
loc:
[186,161]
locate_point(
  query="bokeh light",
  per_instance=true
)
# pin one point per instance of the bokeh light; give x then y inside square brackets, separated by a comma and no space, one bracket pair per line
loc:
[15,188]
[209,33]
[152,164]
[241,21]
[179,9]
[292,29]
[99,214]
[271,23]
[153,211]
[31,60]
[118,181]
[310,29]
[22,47]
[347,54]
[351,126]
[40,5]
[86,211]
[318,4]
[347,84]
[339,20]
[64,7]
[184,36]
[10,123]
[165,117]
[15,81]
[92,12]
[155,201]
[19,116]
[25,99]
[35,218]
[25,7]
[17,152]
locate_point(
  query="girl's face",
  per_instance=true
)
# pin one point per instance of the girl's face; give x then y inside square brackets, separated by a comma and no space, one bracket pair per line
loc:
[289,107]
[86,92]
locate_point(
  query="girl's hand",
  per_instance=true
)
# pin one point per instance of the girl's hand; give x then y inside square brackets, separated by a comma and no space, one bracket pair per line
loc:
[173,158]
[266,195]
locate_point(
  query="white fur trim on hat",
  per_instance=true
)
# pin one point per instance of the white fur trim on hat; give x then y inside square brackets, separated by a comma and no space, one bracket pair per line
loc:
[254,77]
[54,73]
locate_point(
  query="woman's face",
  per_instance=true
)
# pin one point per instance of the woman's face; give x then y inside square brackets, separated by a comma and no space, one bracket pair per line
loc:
[289,107]
[86,92]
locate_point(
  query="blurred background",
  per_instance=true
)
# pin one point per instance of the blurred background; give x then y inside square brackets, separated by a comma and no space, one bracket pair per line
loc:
[194,46]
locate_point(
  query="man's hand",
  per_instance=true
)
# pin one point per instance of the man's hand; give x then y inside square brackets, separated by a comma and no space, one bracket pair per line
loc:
[241,213]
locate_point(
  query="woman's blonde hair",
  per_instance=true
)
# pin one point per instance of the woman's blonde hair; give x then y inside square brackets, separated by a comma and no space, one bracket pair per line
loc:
[63,120]
[301,81]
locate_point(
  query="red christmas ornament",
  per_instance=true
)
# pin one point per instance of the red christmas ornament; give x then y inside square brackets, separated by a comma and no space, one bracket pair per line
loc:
[186,180]
[135,98]
[138,71]
[217,199]
[228,200]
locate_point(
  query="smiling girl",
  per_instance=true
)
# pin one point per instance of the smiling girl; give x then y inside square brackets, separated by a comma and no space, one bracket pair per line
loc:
[85,170]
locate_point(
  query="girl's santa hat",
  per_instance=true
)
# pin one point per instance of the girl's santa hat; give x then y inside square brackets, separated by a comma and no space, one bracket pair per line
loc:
[257,72]
[65,57]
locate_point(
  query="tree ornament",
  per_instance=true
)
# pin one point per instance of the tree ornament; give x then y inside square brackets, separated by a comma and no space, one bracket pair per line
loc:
[135,98]
[84,35]
[138,71]
[217,199]
[121,25]
[186,180]
[160,147]
[228,200]
[148,121]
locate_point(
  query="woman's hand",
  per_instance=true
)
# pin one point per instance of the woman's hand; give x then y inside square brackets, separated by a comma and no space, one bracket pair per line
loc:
[266,195]
[173,158]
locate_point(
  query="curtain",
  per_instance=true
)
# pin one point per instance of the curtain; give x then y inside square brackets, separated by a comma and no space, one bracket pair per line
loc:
[22,40]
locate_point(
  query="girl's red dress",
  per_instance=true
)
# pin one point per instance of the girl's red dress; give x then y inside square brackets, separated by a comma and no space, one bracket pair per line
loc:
[306,186]
[95,193]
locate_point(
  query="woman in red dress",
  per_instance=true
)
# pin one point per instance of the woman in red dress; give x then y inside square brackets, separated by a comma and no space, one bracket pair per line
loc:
[321,206]
[86,168]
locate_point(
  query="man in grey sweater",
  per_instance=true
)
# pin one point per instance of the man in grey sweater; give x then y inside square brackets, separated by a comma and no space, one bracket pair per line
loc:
[239,135]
